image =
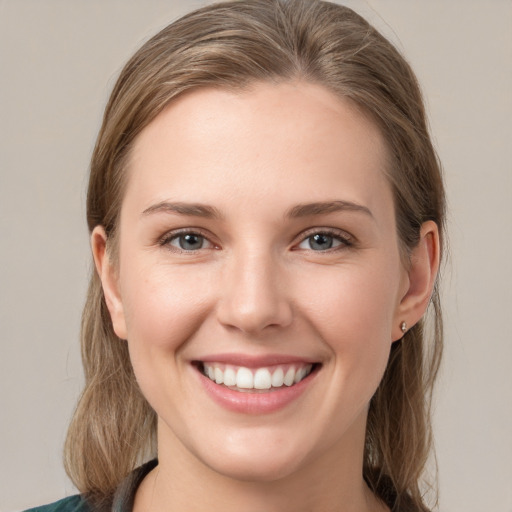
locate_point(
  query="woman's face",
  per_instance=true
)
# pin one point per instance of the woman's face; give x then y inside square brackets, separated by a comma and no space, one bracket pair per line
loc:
[258,246]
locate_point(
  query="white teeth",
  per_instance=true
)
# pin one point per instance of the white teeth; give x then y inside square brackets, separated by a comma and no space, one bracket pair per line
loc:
[229,377]
[244,378]
[219,376]
[290,376]
[299,375]
[278,378]
[261,378]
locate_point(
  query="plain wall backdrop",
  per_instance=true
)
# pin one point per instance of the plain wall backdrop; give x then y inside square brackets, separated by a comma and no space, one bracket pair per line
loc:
[58,62]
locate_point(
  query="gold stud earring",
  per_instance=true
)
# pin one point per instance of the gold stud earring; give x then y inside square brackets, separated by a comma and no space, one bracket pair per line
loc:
[403,326]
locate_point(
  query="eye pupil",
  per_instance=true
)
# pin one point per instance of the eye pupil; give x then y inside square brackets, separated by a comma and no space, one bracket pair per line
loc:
[191,242]
[320,241]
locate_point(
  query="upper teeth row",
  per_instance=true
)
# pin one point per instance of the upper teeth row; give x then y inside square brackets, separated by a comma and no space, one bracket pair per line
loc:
[261,378]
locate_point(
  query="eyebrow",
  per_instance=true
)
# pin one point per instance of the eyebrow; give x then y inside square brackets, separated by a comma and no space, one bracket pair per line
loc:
[191,209]
[300,210]
[325,207]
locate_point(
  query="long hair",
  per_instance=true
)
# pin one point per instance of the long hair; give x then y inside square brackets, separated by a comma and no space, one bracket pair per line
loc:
[231,45]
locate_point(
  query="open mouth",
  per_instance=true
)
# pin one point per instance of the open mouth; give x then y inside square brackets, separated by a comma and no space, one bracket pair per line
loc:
[253,380]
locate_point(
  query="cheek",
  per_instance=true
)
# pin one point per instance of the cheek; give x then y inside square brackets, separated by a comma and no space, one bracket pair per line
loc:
[162,304]
[352,312]
[352,302]
[163,309]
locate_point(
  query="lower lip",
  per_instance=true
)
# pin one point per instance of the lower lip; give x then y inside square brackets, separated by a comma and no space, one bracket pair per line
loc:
[258,402]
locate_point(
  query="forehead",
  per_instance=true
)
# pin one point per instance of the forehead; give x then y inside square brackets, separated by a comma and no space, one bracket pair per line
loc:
[288,143]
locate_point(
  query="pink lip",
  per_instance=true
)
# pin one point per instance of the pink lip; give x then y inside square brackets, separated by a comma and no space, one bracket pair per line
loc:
[255,361]
[254,402]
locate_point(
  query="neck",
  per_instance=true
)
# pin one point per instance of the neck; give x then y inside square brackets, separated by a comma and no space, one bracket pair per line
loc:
[331,483]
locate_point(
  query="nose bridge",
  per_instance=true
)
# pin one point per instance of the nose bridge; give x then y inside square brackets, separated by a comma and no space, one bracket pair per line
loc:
[254,295]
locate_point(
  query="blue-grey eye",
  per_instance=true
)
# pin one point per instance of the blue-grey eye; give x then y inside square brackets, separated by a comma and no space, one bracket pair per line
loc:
[188,242]
[320,242]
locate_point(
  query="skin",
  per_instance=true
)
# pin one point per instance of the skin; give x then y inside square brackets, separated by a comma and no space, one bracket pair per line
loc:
[257,286]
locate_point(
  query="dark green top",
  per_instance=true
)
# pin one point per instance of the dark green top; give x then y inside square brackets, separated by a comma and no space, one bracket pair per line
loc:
[72,504]
[122,500]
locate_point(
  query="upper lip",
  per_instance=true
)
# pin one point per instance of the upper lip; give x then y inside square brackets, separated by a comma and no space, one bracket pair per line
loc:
[251,361]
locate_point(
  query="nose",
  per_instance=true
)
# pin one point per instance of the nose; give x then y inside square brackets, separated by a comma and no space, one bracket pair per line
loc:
[254,296]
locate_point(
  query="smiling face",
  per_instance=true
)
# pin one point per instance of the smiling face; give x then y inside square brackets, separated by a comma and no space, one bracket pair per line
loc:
[259,281]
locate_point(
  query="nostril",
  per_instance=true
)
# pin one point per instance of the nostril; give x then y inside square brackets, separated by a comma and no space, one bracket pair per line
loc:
[251,318]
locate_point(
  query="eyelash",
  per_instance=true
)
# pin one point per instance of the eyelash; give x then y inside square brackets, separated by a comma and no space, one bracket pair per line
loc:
[346,241]
[166,240]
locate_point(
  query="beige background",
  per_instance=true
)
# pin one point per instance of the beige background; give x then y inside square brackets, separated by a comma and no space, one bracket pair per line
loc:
[58,61]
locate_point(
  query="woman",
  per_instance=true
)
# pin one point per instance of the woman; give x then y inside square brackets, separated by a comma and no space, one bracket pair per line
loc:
[266,214]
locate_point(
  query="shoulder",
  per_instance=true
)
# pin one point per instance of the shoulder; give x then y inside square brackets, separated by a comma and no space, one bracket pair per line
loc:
[74,503]
[122,500]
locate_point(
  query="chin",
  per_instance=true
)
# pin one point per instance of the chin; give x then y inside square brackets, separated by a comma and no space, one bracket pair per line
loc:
[263,458]
[262,471]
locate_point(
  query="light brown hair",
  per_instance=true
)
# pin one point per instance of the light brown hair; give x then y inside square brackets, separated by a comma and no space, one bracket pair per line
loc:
[232,45]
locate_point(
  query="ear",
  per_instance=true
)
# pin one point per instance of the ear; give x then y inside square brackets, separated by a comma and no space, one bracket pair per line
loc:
[421,277]
[108,274]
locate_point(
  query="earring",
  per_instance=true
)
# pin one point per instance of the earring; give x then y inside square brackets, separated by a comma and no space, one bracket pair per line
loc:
[403,326]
